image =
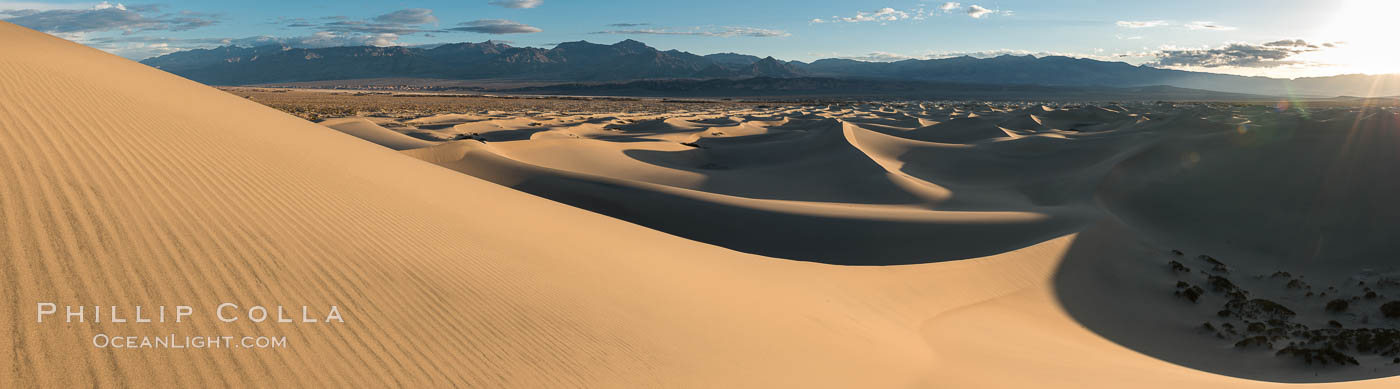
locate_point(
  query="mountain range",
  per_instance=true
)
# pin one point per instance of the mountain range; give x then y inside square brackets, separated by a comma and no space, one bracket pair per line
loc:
[630,60]
[824,87]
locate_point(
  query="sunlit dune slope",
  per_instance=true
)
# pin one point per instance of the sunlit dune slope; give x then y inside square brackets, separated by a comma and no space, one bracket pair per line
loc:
[367,130]
[124,185]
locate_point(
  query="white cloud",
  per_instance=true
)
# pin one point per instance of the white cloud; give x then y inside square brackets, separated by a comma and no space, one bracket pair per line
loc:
[1142,24]
[999,52]
[130,46]
[887,14]
[977,11]
[881,15]
[518,3]
[884,15]
[106,5]
[880,56]
[318,40]
[1208,26]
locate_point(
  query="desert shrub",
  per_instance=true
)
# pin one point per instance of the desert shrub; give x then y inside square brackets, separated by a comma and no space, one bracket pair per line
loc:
[1337,305]
[1192,293]
[1253,342]
[1391,309]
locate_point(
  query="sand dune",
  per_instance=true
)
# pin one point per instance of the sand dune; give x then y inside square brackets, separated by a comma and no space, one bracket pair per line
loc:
[836,187]
[1272,192]
[367,130]
[124,185]
[841,233]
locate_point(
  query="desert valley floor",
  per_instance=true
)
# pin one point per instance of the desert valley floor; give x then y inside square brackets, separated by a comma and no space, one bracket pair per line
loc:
[921,244]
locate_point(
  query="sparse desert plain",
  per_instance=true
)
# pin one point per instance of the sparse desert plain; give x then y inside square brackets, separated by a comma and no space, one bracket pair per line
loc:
[486,242]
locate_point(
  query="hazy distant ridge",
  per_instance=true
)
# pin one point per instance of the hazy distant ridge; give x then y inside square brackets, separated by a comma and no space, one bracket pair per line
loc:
[632,60]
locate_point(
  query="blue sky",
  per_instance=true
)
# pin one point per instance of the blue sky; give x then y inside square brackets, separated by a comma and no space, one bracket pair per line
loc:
[1286,38]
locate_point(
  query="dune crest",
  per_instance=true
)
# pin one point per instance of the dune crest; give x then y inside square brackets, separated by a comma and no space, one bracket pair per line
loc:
[364,129]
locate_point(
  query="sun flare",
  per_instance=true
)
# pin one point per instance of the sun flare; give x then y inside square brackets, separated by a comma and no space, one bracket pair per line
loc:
[1363,30]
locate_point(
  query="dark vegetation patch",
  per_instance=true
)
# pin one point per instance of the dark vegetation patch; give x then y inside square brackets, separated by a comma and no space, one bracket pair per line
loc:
[1260,324]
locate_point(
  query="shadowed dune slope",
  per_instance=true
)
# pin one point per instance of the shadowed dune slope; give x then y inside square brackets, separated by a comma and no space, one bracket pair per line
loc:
[847,234]
[815,189]
[1306,191]
[1295,209]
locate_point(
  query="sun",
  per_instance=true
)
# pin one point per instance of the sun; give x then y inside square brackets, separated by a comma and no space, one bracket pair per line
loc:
[1364,32]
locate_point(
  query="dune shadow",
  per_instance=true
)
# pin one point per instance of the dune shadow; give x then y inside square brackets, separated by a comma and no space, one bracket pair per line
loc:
[626,138]
[443,126]
[1121,287]
[762,167]
[1259,253]
[512,134]
[853,241]
[789,230]
[424,136]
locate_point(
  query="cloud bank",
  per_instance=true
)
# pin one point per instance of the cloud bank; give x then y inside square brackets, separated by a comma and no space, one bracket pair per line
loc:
[495,27]
[1142,24]
[408,16]
[721,32]
[1208,26]
[108,17]
[1244,55]
[881,15]
[887,14]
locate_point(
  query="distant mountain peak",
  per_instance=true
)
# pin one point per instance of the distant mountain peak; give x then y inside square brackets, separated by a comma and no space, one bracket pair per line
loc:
[482,44]
[772,67]
[732,59]
[633,46]
[575,43]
